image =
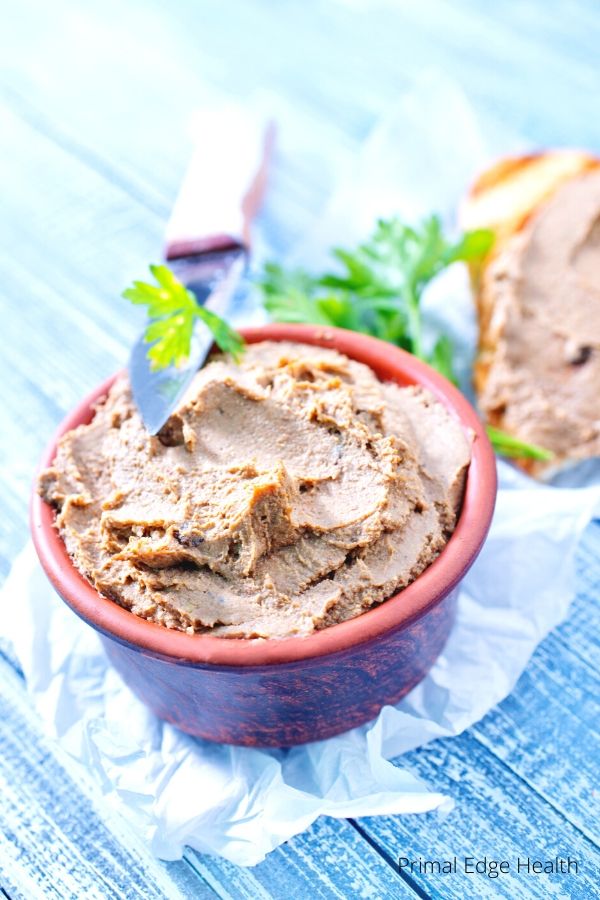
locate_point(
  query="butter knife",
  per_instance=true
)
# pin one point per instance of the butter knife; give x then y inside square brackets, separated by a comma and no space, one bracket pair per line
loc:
[207,242]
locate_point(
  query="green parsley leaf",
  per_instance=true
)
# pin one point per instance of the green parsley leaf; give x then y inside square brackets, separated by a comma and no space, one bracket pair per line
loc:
[172,311]
[472,247]
[287,295]
[377,286]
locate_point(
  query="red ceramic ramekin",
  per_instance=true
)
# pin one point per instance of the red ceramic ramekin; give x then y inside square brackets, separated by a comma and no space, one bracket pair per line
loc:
[282,692]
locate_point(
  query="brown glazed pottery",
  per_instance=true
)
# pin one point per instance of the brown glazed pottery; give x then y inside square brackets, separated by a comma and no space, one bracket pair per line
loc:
[280,692]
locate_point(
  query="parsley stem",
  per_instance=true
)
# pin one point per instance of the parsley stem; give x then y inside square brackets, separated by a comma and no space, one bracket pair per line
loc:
[508,445]
[414,322]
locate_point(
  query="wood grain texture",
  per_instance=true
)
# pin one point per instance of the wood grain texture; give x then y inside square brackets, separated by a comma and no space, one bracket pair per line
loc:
[547,734]
[94,100]
[498,815]
[331,860]
[581,631]
[58,839]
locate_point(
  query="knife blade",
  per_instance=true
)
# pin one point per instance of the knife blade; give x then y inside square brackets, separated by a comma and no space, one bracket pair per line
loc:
[157,392]
[207,246]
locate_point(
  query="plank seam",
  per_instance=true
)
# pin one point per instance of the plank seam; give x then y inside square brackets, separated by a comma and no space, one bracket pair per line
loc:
[560,812]
[16,668]
[201,878]
[410,882]
[564,643]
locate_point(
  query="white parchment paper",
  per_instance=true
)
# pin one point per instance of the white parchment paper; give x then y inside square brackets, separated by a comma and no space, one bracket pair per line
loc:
[241,803]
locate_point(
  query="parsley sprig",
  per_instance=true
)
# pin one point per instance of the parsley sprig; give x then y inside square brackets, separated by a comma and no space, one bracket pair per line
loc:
[172,312]
[377,289]
[378,286]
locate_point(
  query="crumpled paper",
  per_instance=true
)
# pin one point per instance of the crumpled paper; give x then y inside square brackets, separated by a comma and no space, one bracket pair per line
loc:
[241,803]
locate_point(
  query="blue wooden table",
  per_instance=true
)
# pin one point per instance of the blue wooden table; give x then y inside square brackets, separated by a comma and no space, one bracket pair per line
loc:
[94,98]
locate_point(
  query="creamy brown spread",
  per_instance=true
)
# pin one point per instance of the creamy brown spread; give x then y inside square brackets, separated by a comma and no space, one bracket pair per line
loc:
[286,494]
[541,352]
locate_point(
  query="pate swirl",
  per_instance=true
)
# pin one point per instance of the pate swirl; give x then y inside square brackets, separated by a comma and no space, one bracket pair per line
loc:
[284,495]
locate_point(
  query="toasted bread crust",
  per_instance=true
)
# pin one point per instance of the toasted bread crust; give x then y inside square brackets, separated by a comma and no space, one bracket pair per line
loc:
[503,198]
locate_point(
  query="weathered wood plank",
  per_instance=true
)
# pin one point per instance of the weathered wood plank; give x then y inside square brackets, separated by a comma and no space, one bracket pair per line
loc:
[581,631]
[547,733]
[330,860]
[43,815]
[60,335]
[348,82]
[498,815]
[58,839]
[493,52]
[87,239]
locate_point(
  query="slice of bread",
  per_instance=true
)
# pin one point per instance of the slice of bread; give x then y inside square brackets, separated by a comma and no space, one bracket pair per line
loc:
[506,198]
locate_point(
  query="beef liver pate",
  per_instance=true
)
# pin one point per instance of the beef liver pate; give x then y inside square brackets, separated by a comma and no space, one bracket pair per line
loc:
[286,494]
[538,373]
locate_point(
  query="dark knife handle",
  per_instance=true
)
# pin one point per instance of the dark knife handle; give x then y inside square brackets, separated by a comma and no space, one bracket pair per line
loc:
[222,190]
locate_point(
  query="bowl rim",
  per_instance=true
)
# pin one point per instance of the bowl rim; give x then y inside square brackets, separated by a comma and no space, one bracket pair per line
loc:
[389,363]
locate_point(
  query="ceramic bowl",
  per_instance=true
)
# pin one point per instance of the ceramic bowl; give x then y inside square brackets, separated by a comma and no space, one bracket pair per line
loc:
[282,692]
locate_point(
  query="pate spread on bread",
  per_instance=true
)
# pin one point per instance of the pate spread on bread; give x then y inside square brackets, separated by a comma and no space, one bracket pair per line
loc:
[537,373]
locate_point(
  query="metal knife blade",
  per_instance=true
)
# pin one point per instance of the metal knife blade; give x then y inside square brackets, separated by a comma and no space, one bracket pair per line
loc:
[207,243]
[213,279]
